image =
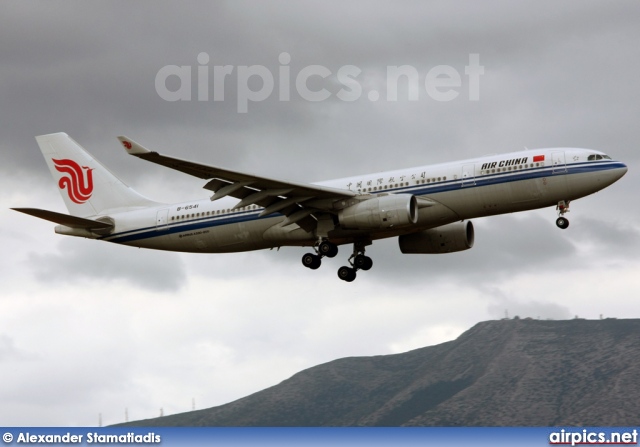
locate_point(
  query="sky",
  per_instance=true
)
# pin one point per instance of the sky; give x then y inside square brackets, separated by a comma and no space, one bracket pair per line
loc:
[96,333]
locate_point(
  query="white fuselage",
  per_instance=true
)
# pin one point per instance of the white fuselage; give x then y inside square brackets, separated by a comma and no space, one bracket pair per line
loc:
[485,186]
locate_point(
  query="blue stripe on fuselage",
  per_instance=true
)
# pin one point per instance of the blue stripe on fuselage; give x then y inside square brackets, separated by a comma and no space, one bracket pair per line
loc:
[195,224]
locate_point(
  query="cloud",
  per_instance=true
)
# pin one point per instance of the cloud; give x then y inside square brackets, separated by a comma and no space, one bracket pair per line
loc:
[608,239]
[81,261]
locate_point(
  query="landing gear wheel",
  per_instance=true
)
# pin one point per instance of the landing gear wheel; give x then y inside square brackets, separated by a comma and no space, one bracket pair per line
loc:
[328,249]
[563,208]
[346,274]
[311,261]
[362,262]
[562,222]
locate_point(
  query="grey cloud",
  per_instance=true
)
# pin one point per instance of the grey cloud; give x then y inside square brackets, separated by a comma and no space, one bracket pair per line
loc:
[609,233]
[608,239]
[78,260]
[102,85]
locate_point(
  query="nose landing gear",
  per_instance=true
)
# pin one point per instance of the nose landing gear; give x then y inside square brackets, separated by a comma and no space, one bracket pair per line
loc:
[562,207]
[562,222]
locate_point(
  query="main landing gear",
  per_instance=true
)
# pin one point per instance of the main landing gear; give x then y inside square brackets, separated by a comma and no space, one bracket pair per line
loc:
[324,248]
[358,260]
[562,207]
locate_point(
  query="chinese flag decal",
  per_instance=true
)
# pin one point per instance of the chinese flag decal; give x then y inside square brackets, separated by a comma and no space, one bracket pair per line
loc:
[538,158]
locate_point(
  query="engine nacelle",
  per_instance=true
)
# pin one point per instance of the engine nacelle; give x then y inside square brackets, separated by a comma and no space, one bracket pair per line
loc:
[450,238]
[393,210]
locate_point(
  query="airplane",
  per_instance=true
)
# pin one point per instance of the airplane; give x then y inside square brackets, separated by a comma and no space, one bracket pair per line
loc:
[427,208]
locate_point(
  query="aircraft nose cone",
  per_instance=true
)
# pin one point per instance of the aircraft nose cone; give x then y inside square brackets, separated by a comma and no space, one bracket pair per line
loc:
[623,169]
[620,170]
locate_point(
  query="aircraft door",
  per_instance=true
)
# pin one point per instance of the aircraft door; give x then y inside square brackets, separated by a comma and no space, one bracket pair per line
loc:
[161,219]
[468,175]
[559,163]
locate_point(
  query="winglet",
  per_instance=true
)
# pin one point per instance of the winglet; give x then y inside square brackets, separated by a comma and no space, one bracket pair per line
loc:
[132,147]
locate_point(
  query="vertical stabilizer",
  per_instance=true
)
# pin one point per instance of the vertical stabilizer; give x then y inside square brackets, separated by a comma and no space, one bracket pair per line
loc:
[86,186]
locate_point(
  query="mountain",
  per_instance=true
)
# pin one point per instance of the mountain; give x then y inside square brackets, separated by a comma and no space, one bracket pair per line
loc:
[518,372]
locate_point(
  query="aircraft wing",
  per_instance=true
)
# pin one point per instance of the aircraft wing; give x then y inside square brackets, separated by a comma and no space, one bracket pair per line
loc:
[297,201]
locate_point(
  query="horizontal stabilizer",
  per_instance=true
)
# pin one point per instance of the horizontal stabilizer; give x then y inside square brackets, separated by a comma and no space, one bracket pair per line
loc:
[65,219]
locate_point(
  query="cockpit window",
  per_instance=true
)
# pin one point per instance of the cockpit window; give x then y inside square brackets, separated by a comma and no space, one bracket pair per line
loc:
[598,157]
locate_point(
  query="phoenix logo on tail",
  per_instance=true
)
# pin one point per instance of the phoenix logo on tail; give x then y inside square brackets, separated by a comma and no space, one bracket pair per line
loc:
[78,186]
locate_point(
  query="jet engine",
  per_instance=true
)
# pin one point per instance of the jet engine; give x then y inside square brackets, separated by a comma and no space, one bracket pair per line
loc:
[450,238]
[393,210]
